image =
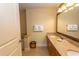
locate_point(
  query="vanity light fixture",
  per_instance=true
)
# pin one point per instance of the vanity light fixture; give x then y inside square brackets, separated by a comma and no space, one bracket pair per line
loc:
[66,7]
[66,10]
[71,8]
[60,10]
[63,7]
[69,4]
[77,4]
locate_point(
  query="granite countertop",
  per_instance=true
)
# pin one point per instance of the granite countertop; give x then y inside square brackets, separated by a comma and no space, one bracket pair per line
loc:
[63,45]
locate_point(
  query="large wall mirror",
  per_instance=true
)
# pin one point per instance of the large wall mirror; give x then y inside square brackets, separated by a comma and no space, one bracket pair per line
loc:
[68,23]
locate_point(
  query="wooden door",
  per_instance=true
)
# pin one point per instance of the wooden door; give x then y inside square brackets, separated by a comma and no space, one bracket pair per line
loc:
[9,30]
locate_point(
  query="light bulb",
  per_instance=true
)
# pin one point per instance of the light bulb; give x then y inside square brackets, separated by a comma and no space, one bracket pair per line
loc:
[76,4]
[60,10]
[71,8]
[69,4]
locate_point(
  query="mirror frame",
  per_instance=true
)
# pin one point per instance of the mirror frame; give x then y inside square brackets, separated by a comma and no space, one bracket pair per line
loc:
[71,37]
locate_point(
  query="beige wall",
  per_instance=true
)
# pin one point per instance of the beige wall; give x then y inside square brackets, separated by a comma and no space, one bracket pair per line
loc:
[23,21]
[70,17]
[40,16]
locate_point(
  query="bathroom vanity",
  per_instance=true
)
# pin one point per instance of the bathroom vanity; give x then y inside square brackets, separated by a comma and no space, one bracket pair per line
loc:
[58,46]
[52,50]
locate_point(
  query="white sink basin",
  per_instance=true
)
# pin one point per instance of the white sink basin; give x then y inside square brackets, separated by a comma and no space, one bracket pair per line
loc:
[52,36]
[60,40]
[72,53]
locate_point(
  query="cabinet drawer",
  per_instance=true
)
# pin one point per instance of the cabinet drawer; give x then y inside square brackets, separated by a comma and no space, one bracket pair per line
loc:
[52,49]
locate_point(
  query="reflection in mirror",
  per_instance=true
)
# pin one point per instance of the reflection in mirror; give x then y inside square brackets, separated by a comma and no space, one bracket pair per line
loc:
[68,22]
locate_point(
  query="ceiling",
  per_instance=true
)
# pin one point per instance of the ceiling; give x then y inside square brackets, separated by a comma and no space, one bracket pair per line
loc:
[31,5]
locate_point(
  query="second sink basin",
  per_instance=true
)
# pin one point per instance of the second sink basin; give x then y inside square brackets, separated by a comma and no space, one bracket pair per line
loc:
[72,53]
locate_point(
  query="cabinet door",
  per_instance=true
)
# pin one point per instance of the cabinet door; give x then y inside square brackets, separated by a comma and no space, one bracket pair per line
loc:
[49,47]
[9,29]
[52,50]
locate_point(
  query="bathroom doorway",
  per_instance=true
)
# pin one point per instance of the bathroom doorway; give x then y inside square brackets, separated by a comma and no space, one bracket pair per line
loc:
[23,28]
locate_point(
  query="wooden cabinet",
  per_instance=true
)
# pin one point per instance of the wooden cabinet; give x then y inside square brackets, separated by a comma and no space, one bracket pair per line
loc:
[52,50]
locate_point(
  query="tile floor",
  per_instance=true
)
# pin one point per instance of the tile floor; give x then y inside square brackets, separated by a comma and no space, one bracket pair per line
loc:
[39,51]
